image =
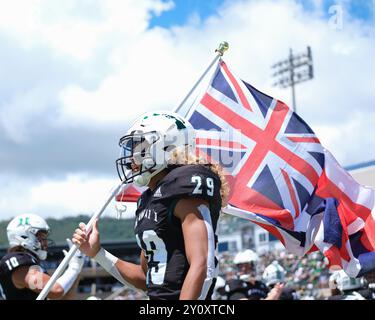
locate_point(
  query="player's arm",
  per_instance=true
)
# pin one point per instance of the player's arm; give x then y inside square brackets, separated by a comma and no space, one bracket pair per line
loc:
[275,292]
[127,273]
[72,293]
[196,245]
[134,274]
[32,277]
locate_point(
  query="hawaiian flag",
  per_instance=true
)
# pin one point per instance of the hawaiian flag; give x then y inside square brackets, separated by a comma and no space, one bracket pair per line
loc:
[281,177]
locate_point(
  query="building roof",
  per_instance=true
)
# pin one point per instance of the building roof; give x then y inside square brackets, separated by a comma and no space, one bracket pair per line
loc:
[361,165]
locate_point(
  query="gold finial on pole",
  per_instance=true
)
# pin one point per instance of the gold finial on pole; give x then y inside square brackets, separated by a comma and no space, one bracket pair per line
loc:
[220,51]
[222,48]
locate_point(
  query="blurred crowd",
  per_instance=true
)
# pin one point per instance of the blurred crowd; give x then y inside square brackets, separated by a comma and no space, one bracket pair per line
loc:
[308,276]
[275,275]
[279,275]
[284,276]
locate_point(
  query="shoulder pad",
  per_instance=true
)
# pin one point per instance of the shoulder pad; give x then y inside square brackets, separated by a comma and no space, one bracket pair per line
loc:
[14,260]
[196,181]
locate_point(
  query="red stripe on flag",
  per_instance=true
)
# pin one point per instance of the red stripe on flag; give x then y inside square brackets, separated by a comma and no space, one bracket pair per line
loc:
[313,249]
[232,118]
[233,80]
[272,230]
[304,139]
[129,194]
[326,189]
[370,233]
[264,139]
[253,201]
[368,237]
[333,256]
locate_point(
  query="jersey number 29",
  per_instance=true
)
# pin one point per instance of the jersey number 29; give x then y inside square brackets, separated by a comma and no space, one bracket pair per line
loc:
[198,187]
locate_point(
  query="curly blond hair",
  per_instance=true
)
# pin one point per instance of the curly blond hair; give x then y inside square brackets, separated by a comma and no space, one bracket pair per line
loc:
[181,156]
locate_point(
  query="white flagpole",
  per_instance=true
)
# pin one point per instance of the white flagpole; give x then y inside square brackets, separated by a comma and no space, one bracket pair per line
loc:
[43,294]
[220,51]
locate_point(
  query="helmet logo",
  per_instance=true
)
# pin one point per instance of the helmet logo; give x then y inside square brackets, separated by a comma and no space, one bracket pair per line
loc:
[179,122]
[24,222]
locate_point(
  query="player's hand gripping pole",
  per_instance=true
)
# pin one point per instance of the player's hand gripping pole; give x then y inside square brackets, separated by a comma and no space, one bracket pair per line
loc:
[43,294]
[220,51]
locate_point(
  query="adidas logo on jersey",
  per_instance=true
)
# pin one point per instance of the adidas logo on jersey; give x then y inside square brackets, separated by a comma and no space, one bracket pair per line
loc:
[157,193]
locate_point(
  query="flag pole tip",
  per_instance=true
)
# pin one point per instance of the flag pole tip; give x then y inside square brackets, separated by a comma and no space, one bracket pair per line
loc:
[222,48]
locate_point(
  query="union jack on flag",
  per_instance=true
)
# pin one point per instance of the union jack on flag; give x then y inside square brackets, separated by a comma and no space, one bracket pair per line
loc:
[281,177]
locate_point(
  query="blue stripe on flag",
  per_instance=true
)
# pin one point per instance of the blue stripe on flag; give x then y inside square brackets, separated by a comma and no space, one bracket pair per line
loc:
[297,125]
[332,223]
[270,220]
[356,244]
[303,194]
[264,101]
[221,85]
[319,156]
[367,262]
[198,121]
[316,205]
[266,185]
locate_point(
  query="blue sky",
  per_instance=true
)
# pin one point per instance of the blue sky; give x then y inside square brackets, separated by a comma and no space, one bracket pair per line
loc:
[183,9]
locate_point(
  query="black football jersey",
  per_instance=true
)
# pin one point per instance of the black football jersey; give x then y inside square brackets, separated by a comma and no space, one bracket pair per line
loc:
[159,233]
[236,289]
[8,264]
[252,290]
[368,294]
[257,290]
[289,294]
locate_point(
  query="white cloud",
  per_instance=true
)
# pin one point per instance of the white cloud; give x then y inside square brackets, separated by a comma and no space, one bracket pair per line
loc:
[77,27]
[137,69]
[75,194]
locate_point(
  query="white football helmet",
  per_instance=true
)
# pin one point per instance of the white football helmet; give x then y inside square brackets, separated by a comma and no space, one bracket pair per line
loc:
[22,231]
[148,145]
[274,273]
[246,256]
[344,282]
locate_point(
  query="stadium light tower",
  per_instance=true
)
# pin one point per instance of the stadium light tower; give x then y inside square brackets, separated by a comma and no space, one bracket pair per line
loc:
[294,70]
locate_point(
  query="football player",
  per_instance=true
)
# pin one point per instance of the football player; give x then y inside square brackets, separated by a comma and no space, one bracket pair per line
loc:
[176,216]
[21,275]
[347,287]
[273,276]
[245,285]
[245,262]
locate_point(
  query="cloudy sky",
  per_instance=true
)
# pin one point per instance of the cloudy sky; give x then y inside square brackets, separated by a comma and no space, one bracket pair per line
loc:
[75,73]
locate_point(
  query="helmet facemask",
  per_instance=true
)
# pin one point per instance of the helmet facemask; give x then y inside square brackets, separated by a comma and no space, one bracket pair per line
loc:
[33,242]
[136,159]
